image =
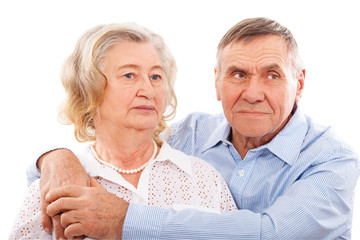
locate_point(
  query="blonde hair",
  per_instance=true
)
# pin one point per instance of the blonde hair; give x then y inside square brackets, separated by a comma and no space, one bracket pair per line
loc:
[84,81]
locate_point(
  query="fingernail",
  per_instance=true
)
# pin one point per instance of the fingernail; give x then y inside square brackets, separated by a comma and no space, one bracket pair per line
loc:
[47,197]
[47,230]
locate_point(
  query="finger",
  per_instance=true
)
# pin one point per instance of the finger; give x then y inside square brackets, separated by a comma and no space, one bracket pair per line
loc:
[58,229]
[67,191]
[68,218]
[79,237]
[74,230]
[95,183]
[45,219]
[62,205]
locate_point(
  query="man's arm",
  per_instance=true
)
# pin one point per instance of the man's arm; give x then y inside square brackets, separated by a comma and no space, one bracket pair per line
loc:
[58,168]
[319,205]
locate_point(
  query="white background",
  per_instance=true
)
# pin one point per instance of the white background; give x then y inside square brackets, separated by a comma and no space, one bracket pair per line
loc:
[36,36]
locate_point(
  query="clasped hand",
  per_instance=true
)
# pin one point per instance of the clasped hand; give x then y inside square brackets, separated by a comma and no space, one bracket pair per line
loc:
[87,211]
[78,206]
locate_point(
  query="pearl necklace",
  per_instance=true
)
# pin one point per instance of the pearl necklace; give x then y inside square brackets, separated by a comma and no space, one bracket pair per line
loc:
[119,170]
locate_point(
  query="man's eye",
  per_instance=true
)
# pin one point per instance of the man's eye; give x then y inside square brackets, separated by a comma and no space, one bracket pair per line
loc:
[273,76]
[129,75]
[239,75]
[155,77]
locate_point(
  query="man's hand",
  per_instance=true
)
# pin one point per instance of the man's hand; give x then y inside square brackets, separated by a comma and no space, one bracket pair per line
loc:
[58,168]
[88,211]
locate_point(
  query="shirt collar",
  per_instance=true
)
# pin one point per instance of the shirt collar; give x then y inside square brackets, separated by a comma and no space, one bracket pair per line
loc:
[96,169]
[219,134]
[176,157]
[286,144]
[166,154]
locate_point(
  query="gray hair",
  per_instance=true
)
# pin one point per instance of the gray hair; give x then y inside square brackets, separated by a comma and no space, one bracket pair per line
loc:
[251,28]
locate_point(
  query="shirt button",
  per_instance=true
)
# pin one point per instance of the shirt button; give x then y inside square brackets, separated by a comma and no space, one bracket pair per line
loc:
[225,144]
[241,173]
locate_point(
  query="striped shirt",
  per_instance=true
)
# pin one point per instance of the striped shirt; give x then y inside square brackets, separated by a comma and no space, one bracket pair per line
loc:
[300,185]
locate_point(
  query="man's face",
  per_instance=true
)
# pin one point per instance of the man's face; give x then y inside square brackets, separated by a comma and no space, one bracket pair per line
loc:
[257,86]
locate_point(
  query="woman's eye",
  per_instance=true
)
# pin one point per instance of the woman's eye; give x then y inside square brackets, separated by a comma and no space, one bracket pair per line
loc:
[155,77]
[129,75]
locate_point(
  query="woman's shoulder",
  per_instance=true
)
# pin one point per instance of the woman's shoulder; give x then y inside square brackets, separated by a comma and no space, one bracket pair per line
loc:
[199,166]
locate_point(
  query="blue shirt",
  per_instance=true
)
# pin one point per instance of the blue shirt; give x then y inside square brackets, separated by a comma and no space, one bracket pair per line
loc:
[300,185]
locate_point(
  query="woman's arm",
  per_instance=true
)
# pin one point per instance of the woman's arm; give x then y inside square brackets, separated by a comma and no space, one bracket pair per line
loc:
[27,223]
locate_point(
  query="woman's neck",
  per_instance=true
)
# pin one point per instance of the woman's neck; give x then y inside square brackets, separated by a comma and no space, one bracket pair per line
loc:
[124,148]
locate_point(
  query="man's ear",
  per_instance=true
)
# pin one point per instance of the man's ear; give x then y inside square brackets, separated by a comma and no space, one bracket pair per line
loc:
[217,84]
[300,85]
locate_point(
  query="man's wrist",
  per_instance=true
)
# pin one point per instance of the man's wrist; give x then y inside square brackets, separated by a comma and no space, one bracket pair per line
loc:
[42,157]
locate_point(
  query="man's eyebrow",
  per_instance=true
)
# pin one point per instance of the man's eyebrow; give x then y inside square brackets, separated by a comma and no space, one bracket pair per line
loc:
[233,69]
[272,67]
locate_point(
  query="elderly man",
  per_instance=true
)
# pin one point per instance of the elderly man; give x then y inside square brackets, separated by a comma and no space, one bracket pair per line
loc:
[290,177]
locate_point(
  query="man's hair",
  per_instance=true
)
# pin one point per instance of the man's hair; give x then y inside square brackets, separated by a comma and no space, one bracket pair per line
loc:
[84,81]
[251,28]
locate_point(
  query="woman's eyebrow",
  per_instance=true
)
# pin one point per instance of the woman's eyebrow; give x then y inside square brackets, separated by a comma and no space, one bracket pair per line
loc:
[157,67]
[128,66]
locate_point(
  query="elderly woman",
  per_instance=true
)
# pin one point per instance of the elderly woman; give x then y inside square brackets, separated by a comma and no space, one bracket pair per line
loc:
[119,85]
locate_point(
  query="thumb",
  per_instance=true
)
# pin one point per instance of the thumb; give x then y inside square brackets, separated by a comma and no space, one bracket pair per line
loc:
[95,183]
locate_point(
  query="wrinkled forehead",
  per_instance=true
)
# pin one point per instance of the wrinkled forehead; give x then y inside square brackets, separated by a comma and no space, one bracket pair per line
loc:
[254,48]
[258,54]
[260,42]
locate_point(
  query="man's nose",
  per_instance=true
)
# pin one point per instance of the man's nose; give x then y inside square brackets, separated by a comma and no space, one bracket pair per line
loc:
[254,91]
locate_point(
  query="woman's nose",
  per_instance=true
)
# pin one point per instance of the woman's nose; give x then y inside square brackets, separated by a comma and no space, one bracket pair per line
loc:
[146,89]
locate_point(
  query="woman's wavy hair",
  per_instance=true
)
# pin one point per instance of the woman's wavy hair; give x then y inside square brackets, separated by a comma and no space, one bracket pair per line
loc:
[84,81]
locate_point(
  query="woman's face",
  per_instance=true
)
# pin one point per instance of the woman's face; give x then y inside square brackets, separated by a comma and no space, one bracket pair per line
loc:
[135,94]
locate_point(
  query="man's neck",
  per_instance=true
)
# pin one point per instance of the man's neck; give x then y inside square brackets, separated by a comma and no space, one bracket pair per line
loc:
[243,144]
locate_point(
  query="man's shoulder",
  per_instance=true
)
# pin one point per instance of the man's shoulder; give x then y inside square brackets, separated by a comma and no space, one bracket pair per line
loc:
[326,139]
[200,117]
[192,132]
[198,123]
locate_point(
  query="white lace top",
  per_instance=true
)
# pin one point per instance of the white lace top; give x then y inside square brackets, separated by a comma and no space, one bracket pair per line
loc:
[172,180]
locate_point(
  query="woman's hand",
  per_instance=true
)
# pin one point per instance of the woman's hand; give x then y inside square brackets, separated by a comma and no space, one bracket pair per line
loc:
[88,211]
[58,168]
